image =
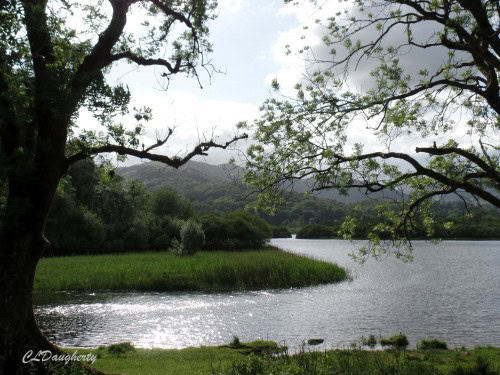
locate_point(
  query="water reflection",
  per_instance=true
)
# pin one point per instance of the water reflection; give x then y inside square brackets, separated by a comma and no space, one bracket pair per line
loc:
[451,291]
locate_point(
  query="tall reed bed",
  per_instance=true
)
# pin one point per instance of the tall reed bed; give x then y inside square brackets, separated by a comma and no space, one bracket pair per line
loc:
[206,271]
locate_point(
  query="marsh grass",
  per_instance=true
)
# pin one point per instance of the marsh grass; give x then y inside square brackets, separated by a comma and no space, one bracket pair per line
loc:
[205,271]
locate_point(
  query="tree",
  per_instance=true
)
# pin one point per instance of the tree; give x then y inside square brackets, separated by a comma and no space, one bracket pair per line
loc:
[49,72]
[376,44]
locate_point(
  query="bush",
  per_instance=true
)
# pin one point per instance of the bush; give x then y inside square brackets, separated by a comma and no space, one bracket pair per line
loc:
[432,344]
[249,231]
[371,341]
[235,231]
[163,231]
[120,348]
[217,230]
[316,231]
[397,341]
[73,229]
[137,236]
[192,238]
[281,232]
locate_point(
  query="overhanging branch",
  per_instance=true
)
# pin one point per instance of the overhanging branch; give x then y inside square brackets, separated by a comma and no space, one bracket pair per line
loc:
[174,162]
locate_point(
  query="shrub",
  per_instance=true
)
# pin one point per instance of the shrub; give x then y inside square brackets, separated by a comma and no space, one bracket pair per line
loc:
[120,348]
[371,341]
[249,231]
[316,231]
[217,232]
[281,232]
[163,231]
[235,231]
[235,342]
[432,344]
[192,237]
[399,341]
[137,236]
[73,229]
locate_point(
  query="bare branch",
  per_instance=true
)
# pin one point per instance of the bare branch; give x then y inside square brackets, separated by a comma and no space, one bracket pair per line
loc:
[174,162]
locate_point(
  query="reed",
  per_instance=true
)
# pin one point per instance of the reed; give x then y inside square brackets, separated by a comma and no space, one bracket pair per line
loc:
[204,271]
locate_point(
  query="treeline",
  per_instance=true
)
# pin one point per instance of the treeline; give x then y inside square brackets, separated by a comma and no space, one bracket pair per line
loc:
[96,211]
[451,220]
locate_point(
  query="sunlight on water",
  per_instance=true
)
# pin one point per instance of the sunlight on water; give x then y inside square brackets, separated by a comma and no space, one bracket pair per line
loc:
[450,291]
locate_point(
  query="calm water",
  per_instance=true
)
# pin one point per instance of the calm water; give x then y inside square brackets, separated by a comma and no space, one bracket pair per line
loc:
[450,291]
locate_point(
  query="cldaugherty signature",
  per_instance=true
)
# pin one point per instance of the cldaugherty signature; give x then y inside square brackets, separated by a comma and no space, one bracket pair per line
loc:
[47,355]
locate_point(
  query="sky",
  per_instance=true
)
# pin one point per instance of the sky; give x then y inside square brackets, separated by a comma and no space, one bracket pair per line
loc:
[249,38]
[248,48]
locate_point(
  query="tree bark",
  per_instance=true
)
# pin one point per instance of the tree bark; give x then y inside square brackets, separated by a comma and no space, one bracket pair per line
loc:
[21,245]
[19,332]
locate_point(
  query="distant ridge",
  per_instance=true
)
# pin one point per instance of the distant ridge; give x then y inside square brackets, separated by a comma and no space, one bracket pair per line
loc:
[199,180]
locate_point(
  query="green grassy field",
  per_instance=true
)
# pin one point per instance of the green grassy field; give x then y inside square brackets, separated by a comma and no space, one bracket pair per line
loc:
[206,271]
[246,361]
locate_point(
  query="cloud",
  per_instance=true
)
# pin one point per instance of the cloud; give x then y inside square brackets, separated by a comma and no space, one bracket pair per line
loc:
[231,6]
[309,33]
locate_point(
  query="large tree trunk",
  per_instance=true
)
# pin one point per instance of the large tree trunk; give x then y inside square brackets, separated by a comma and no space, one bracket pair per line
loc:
[21,245]
[19,332]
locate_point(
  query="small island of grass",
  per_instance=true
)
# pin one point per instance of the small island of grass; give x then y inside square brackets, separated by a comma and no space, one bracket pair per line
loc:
[204,271]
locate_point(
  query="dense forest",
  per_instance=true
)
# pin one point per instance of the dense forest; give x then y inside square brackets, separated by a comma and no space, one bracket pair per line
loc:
[98,211]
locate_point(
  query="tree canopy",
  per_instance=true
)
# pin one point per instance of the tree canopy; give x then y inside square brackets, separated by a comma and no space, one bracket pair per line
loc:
[54,60]
[420,77]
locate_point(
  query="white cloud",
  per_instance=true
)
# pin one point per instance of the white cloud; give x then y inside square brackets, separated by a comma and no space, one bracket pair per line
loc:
[231,6]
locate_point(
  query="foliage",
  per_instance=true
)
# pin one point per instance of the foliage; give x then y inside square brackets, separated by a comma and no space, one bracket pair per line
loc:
[54,60]
[109,214]
[73,229]
[371,341]
[309,135]
[192,238]
[281,232]
[120,348]
[316,231]
[235,231]
[167,202]
[399,341]
[248,231]
[432,344]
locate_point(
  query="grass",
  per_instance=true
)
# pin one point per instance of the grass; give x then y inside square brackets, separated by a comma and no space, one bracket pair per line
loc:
[205,271]
[262,357]
[189,361]
[481,361]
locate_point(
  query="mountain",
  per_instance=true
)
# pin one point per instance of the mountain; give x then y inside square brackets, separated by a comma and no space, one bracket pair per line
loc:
[201,181]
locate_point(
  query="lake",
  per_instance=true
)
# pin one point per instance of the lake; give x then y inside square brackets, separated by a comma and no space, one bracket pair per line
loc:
[450,291]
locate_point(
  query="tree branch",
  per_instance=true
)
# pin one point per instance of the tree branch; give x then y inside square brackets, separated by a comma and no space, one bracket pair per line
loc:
[174,162]
[492,173]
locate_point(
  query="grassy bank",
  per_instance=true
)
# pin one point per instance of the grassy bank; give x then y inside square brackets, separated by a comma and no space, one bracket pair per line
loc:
[255,359]
[207,271]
